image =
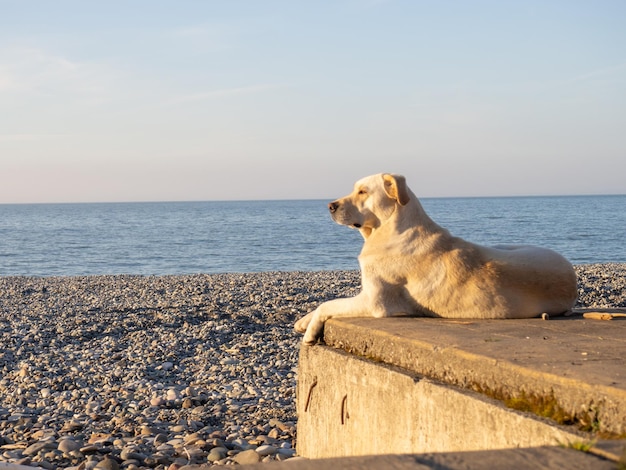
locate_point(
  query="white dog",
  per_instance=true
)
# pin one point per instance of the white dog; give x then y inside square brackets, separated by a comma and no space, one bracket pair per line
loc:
[412,266]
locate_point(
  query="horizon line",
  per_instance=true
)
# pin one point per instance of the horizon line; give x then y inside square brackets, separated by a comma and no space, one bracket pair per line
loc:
[183,201]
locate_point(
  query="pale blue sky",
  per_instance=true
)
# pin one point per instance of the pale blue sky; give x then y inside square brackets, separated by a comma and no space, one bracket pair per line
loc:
[141,100]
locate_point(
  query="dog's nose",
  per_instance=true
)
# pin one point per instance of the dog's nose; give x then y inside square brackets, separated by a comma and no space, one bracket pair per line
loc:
[332,206]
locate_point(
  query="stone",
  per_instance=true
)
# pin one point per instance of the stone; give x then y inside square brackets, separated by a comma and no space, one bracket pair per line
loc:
[157,401]
[178,428]
[146,431]
[190,439]
[266,450]
[68,445]
[89,449]
[130,464]
[287,452]
[99,438]
[240,444]
[131,453]
[194,454]
[165,448]
[198,410]
[72,426]
[35,448]
[107,464]
[217,453]
[45,464]
[247,457]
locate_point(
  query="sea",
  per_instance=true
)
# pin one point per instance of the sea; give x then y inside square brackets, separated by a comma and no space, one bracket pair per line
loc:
[171,238]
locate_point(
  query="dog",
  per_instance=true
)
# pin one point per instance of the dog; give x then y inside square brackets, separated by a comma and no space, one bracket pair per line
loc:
[412,266]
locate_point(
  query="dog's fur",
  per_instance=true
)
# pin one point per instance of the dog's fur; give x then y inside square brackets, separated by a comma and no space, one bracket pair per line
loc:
[412,266]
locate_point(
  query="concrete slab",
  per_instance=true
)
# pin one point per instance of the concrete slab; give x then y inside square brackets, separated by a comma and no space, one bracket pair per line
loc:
[611,450]
[521,459]
[570,369]
[350,406]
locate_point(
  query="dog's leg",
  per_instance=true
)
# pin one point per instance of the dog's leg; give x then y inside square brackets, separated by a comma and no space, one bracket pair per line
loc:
[313,323]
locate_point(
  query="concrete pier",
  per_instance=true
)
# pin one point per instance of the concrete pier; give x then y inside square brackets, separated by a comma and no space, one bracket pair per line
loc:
[424,385]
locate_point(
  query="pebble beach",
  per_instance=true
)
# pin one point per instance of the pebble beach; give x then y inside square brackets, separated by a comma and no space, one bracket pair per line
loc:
[129,372]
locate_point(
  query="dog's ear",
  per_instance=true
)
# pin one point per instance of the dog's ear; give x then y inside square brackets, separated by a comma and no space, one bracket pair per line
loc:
[395,187]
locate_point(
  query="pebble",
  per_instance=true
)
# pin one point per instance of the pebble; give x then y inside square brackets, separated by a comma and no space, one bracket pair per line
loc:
[247,457]
[217,453]
[152,371]
[37,447]
[107,464]
[157,401]
[266,450]
[138,372]
[67,445]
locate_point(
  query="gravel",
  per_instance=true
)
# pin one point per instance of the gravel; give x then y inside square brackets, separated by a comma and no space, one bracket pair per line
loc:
[131,372]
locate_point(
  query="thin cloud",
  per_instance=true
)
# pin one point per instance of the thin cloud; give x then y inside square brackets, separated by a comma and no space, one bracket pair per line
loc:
[599,73]
[34,70]
[223,93]
[30,68]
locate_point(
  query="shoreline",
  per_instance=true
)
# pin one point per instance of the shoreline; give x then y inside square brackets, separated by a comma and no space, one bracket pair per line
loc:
[154,371]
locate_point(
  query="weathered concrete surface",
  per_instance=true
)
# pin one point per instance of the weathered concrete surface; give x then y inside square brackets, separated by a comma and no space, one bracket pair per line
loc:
[614,450]
[520,459]
[349,406]
[574,365]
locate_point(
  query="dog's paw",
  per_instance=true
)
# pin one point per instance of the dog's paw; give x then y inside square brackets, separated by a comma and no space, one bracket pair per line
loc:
[312,326]
[313,332]
[301,325]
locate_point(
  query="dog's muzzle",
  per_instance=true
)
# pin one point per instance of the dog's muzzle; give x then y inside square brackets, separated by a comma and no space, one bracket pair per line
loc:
[333,207]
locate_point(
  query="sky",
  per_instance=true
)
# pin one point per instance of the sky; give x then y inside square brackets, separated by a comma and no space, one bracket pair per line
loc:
[151,100]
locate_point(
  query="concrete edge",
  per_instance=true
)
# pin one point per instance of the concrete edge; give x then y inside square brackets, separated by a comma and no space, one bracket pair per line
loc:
[592,407]
[547,457]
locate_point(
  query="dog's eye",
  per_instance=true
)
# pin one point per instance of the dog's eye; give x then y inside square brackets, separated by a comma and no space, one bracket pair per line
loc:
[362,192]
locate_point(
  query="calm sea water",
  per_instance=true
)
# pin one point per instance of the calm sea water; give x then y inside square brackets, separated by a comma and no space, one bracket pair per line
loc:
[254,236]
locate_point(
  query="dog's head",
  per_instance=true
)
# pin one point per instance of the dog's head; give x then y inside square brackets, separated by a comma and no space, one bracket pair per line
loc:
[374,199]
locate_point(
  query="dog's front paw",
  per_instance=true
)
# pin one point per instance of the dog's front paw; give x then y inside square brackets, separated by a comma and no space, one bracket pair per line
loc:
[301,325]
[311,325]
[313,331]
